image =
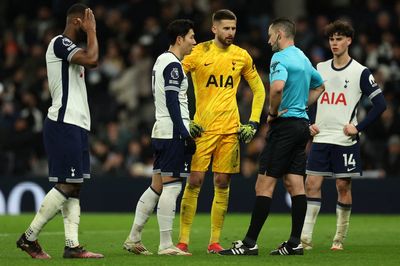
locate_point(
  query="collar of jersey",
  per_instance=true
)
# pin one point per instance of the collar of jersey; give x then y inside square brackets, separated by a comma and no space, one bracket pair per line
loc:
[342,68]
[218,48]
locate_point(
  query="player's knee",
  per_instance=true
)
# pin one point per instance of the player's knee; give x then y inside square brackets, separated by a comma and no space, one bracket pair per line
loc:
[195,183]
[311,183]
[196,179]
[312,189]
[343,189]
[172,189]
[294,189]
[222,183]
[222,180]
[71,190]
[263,191]
[158,187]
[343,186]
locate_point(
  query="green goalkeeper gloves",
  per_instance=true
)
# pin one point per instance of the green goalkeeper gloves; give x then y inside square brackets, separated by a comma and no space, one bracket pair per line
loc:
[195,129]
[247,131]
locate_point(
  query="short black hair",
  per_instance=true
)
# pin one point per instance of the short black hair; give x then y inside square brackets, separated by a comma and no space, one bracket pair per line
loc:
[179,27]
[77,9]
[286,25]
[223,14]
[340,27]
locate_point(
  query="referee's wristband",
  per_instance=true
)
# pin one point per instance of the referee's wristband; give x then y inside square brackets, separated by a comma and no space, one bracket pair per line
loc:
[271,115]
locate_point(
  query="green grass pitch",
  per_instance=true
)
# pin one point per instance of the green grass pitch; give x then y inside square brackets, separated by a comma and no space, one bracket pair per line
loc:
[372,240]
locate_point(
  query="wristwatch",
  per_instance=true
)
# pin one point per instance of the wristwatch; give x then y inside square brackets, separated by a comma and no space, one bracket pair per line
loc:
[272,115]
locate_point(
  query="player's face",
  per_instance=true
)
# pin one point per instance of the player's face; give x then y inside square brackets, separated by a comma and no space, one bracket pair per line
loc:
[224,31]
[273,39]
[339,44]
[188,42]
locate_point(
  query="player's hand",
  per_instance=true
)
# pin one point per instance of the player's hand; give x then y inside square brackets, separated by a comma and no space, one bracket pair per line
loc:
[195,129]
[350,130]
[190,146]
[314,130]
[88,23]
[247,131]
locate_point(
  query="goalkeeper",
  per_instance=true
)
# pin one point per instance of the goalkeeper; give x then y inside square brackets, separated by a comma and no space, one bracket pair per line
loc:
[216,67]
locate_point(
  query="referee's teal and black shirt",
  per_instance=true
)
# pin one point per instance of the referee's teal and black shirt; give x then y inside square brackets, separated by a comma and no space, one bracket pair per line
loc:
[295,69]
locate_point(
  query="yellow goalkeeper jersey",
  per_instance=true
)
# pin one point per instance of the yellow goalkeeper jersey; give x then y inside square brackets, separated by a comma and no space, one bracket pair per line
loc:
[216,75]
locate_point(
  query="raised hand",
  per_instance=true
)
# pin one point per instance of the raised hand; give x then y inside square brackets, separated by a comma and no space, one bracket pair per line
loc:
[88,23]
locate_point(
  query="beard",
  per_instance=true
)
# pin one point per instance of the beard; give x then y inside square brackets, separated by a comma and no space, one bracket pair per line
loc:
[275,47]
[226,41]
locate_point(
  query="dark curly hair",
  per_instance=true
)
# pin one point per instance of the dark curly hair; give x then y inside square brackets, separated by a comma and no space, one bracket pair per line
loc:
[340,27]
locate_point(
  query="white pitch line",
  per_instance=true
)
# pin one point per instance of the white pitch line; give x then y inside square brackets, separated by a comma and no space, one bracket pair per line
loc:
[83,232]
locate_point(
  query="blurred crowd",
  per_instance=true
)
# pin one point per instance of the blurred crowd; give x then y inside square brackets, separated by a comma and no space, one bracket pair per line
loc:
[131,35]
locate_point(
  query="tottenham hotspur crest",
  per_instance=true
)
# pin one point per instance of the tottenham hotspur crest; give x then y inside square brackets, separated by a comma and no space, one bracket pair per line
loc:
[72,171]
[175,73]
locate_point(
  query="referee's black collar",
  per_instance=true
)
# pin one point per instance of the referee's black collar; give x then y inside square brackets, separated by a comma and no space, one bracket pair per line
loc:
[342,68]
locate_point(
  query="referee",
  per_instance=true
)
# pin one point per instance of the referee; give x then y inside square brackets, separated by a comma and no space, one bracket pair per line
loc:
[295,84]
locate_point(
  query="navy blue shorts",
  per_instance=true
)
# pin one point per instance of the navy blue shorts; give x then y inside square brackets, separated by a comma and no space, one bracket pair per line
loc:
[284,152]
[170,158]
[67,148]
[334,160]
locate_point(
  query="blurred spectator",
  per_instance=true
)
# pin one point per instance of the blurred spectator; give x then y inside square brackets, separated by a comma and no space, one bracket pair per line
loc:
[131,33]
[134,83]
[392,157]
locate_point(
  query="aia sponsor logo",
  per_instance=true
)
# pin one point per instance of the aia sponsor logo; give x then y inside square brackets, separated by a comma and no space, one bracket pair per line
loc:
[221,82]
[333,98]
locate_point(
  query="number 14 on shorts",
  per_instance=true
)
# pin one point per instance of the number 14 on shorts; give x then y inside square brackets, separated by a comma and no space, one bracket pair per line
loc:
[349,161]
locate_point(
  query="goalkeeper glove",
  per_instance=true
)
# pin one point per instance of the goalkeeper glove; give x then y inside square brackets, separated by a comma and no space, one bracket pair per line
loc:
[190,146]
[195,129]
[247,131]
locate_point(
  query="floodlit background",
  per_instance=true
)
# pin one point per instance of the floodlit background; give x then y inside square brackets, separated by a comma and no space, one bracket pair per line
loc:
[131,35]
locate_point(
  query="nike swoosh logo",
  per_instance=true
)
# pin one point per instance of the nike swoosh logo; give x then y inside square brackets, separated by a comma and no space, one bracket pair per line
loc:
[350,169]
[207,64]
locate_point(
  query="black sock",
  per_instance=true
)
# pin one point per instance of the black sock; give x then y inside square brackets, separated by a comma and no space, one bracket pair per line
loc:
[258,217]
[299,209]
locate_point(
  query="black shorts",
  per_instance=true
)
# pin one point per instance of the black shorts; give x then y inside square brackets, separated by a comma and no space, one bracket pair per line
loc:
[284,152]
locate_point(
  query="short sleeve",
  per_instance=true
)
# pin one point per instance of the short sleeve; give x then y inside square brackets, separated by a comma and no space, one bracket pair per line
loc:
[173,76]
[316,79]
[277,70]
[64,48]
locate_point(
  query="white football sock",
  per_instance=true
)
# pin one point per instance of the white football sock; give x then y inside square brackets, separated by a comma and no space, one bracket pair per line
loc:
[313,208]
[144,209]
[166,213]
[71,212]
[51,204]
[343,212]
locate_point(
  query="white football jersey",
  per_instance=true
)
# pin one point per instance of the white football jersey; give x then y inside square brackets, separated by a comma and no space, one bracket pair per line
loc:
[66,84]
[167,75]
[337,106]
